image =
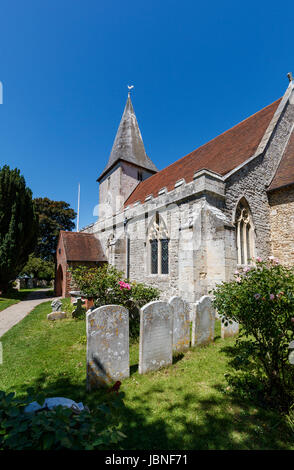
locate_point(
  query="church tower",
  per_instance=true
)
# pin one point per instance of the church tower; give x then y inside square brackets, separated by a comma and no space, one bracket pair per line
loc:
[127,166]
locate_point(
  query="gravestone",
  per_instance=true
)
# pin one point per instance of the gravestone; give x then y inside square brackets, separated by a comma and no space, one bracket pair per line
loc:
[156,336]
[56,305]
[229,329]
[203,322]
[181,324]
[107,345]
[56,315]
[79,310]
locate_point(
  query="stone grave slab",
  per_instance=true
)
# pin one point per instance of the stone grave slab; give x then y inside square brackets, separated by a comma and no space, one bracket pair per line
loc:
[156,336]
[181,324]
[107,345]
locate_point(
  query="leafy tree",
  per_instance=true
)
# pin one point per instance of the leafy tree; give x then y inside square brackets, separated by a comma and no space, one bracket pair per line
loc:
[53,217]
[18,224]
[39,268]
[261,299]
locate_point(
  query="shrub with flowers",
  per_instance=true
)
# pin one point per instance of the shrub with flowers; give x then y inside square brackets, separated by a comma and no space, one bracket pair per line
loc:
[261,300]
[107,286]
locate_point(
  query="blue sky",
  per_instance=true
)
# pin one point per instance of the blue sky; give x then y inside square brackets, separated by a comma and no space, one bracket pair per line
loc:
[198,69]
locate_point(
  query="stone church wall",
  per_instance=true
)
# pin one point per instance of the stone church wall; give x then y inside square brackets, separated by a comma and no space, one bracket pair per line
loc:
[282,224]
[252,180]
[201,238]
[200,220]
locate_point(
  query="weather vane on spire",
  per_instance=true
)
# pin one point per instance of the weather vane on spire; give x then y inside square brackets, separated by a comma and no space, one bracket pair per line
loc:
[130,87]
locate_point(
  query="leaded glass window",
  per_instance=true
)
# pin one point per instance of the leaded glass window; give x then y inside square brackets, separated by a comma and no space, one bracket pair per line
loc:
[154,256]
[164,256]
[158,239]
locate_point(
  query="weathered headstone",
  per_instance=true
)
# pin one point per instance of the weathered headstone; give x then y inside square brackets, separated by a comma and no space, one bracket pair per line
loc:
[181,324]
[56,305]
[203,322]
[229,329]
[56,315]
[79,310]
[107,345]
[156,336]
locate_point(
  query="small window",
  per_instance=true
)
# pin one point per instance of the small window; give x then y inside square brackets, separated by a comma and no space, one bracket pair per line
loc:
[140,175]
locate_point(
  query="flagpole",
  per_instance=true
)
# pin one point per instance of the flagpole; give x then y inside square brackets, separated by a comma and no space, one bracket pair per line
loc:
[78,218]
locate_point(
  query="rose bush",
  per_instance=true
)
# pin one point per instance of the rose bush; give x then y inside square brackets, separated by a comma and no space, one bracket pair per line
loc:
[261,300]
[107,286]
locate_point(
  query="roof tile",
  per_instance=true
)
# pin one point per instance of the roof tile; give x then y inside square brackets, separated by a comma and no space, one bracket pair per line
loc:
[82,246]
[221,155]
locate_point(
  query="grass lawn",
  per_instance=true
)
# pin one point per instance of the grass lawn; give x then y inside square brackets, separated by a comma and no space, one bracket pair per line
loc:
[185,406]
[14,297]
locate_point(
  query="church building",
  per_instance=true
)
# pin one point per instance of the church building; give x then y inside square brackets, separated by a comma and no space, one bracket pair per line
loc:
[189,226]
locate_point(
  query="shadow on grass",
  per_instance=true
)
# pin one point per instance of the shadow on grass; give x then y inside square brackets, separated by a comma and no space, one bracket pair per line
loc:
[217,421]
[176,358]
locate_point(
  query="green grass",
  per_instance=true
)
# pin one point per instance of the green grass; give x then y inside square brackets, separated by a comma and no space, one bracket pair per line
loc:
[184,406]
[14,297]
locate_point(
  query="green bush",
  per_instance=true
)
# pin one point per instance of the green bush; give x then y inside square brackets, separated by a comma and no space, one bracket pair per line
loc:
[261,300]
[39,268]
[107,286]
[59,428]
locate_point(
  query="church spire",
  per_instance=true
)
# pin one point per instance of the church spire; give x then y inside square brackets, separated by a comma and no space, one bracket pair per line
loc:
[128,144]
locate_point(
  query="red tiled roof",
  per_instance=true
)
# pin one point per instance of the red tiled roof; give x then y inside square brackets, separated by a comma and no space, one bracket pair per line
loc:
[82,246]
[285,172]
[221,155]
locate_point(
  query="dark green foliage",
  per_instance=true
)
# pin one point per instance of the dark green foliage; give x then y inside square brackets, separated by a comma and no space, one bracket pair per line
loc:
[59,428]
[106,286]
[261,300]
[18,224]
[53,217]
[39,268]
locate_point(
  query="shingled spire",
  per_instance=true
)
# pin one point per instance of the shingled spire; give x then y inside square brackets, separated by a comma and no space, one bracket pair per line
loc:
[128,144]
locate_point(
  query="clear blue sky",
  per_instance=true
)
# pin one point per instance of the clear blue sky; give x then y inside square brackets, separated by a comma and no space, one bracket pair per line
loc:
[198,69]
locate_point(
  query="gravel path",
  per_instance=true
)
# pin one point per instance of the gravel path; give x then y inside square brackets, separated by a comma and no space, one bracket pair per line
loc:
[12,315]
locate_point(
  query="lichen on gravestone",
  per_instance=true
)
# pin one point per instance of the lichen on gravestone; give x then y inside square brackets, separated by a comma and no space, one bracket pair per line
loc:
[107,345]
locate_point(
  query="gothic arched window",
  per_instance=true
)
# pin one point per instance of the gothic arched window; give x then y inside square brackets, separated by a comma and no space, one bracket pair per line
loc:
[245,233]
[158,246]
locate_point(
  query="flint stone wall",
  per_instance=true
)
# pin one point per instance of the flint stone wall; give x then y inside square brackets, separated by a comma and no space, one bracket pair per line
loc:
[252,180]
